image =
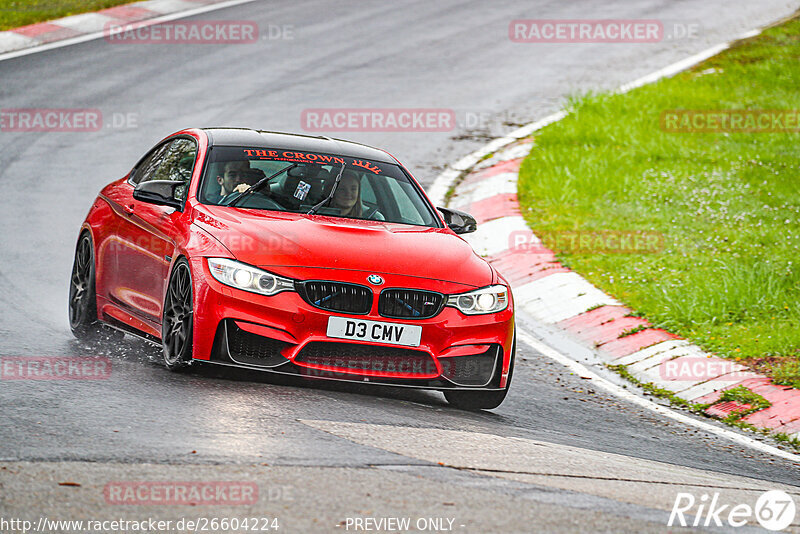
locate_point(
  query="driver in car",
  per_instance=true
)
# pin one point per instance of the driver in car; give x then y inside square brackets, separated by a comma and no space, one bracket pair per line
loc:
[237,177]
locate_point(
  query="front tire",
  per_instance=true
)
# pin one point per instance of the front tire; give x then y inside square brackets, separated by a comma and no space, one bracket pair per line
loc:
[178,319]
[482,400]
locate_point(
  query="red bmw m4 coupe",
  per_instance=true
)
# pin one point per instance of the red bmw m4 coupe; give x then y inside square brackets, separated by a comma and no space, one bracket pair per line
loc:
[297,255]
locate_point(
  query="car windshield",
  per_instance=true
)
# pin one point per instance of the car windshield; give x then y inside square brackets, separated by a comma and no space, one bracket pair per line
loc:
[301,182]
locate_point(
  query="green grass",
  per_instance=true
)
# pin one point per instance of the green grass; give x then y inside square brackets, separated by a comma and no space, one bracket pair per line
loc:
[16,13]
[656,391]
[728,205]
[742,395]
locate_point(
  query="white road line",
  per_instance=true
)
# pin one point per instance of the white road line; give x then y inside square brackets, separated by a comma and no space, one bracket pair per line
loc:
[139,24]
[622,393]
[86,23]
[499,184]
[679,66]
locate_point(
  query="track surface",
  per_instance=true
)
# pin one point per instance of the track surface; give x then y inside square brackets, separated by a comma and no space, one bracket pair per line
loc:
[343,54]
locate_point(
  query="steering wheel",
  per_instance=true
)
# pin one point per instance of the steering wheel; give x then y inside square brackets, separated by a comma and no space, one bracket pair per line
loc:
[371,214]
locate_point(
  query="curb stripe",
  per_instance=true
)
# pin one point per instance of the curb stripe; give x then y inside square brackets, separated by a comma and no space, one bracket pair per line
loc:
[553,294]
[14,45]
[495,207]
[498,184]
[560,296]
[619,391]
[630,344]
[128,13]
[46,32]
[594,318]
[601,334]
[523,267]
[511,165]
[492,237]
[88,22]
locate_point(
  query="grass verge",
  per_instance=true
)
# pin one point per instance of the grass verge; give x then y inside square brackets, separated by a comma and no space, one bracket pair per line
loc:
[16,13]
[726,204]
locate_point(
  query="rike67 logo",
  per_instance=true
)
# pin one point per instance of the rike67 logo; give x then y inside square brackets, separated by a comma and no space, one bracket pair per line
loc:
[774,510]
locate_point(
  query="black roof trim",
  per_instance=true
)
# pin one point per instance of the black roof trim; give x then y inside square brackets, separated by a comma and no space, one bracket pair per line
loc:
[283,140]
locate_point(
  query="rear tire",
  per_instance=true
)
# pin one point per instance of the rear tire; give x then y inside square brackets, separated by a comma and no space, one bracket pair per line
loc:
[178,320]
[82,295]
[482,400]
[83,319]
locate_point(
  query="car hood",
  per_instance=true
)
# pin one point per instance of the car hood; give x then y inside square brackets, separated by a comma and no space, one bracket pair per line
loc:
[275,240]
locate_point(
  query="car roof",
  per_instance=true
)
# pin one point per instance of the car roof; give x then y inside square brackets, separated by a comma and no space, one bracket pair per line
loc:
[264,139]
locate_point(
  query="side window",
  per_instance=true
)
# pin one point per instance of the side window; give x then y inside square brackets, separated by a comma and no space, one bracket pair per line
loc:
[147,168]
[172,161]
[403,196]
[177,161]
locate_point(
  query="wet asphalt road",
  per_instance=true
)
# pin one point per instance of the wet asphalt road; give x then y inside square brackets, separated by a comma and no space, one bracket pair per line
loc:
[452,55]
[144,413]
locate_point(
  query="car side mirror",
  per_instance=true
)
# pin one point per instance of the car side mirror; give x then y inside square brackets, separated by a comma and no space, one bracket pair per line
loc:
[161,192]
[458,221]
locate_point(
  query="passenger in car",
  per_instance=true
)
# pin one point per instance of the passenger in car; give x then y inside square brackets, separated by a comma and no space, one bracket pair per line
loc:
[348,199]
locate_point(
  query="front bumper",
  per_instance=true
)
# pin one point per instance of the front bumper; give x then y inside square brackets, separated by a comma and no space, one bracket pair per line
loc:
[284,334]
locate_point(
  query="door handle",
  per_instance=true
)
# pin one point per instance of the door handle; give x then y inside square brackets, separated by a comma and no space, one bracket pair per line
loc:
[128,209]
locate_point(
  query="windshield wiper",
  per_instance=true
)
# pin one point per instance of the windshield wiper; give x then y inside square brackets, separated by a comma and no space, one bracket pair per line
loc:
[313,210]
[259,184]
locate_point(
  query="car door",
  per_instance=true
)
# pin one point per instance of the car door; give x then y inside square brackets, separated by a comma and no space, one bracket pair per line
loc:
[146,232]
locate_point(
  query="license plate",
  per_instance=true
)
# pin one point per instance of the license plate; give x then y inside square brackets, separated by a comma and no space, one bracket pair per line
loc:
[390,333]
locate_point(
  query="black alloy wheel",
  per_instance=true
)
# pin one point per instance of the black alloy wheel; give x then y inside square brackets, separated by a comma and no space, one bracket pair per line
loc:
[177,325]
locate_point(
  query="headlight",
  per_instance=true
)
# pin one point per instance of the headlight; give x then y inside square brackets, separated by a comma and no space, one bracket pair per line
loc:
[243,276]
[487,300]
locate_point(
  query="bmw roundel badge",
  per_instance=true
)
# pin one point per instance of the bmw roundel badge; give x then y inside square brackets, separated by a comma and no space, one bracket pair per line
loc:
[375,280]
